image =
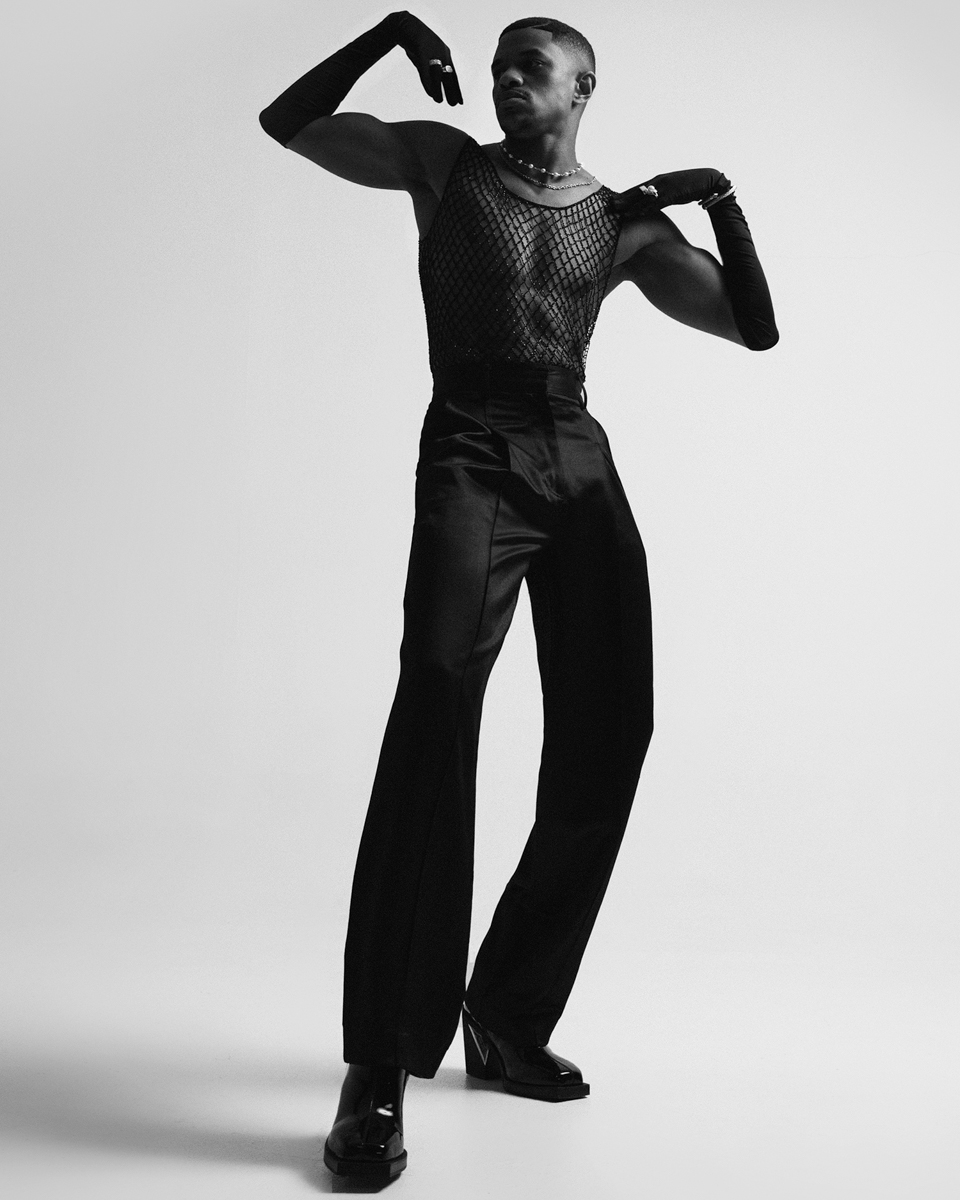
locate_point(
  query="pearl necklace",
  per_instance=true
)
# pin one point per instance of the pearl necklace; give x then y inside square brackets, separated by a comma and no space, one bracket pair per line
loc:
[541,183]
[534,167]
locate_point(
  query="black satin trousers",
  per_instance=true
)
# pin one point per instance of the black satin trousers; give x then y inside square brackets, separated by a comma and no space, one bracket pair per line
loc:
[515,481]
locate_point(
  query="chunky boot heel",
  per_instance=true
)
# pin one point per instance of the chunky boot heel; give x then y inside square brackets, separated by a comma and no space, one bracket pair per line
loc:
[532,1071]
[477,1052]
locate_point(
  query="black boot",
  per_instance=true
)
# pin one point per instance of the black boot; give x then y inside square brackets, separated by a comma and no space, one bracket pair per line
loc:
[533,1071]
[367,1136]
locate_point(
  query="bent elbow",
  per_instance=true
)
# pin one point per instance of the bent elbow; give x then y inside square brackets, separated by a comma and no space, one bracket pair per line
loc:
[266,122]
[767,342]
[758,334]
[277,124]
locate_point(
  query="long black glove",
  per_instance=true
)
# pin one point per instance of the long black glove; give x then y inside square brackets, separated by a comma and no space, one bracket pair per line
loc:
[320,91]
[742,273]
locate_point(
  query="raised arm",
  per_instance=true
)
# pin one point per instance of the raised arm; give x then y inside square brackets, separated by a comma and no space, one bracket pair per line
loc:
[731,300]
[405,156]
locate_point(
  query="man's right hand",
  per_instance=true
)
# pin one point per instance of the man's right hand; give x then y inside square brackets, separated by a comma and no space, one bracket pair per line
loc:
[432,59]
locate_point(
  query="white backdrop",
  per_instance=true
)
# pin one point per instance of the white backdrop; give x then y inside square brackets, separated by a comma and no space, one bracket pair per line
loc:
[201,599]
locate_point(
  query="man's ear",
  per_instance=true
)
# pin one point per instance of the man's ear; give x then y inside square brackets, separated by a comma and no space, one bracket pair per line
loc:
[586,84]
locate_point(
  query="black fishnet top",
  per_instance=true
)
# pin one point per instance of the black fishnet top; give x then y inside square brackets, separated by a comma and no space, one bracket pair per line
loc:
[508,280]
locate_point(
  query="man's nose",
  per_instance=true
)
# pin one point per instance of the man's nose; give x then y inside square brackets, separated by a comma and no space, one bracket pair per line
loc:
[510,77]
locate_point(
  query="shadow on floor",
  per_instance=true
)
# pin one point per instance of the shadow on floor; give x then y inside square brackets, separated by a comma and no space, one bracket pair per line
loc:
[131,1104]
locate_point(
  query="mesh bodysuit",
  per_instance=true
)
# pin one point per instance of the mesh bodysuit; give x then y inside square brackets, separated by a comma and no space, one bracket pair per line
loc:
[505,279]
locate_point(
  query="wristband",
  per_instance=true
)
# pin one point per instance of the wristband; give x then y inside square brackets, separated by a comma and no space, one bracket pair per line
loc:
[709,201]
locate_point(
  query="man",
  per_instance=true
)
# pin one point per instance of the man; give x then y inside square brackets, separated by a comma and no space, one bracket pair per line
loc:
[515,481]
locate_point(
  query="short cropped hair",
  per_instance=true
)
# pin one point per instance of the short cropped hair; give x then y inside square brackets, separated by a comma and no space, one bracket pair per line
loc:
[565,35]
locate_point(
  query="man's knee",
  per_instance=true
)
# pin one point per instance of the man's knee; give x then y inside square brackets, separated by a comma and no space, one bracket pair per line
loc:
[435,669]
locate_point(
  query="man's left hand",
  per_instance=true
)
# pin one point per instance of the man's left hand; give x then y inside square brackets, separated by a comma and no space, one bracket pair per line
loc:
[675,187]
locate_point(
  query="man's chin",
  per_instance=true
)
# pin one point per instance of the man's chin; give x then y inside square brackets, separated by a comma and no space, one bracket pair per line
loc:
[513,122]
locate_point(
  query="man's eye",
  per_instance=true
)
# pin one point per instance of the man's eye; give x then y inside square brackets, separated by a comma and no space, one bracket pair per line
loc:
[530,63]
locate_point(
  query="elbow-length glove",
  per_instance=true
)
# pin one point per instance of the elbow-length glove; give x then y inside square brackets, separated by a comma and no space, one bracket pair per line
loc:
[320,92]
[745,282]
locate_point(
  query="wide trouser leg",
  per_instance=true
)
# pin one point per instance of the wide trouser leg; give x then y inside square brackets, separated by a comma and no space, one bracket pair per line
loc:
[408,935]
[591,611]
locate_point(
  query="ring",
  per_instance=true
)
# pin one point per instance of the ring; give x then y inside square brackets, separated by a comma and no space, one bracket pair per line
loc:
[448,70]
[435,62]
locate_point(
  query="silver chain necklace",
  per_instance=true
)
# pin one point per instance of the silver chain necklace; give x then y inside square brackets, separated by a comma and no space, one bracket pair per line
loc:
[553,187]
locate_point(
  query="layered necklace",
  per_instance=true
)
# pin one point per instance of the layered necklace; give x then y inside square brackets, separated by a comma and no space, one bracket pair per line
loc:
[513,163]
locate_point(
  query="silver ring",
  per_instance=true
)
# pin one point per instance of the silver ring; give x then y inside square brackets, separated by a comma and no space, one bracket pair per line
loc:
[448,70]
[435,62]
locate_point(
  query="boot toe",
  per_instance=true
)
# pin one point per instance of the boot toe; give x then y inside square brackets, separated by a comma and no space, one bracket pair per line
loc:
[538,1064]
[371,1137]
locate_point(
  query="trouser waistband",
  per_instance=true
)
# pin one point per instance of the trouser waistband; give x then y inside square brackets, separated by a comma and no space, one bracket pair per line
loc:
[513,377]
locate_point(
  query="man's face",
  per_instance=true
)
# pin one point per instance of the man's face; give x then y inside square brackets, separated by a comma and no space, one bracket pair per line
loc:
[534,83]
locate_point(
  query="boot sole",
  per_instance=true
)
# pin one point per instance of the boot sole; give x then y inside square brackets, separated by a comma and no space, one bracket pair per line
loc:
[364,1169]
[531,1091]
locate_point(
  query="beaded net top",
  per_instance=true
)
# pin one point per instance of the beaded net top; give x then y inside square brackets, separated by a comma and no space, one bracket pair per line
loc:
[505,279]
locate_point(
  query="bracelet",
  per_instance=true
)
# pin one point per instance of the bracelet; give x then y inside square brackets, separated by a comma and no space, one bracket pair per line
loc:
[710,201]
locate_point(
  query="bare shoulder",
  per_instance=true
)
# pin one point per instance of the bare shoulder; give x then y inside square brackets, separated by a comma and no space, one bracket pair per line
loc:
[642,233]
[436,146]
[432,136]
[407,156]
[642,240]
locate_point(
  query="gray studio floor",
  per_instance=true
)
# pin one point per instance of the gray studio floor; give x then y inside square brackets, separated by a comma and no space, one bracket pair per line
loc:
[757,1079]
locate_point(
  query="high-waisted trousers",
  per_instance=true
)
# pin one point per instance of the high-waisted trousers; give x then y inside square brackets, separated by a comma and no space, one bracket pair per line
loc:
[515,481]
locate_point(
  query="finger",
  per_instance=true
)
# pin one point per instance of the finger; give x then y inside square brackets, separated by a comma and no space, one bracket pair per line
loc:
[635,195]
[632,198]
[436,76]
[635,206]
[451,85]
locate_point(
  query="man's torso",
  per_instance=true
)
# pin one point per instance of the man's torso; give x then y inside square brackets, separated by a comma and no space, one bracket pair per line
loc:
[510,278]
[634,234]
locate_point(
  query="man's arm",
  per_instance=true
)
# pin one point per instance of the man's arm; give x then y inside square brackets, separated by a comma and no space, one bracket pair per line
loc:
[729,298]
[680,280]
[404,156]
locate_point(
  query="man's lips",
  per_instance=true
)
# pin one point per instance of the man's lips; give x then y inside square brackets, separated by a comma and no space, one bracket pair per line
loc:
[514,98]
